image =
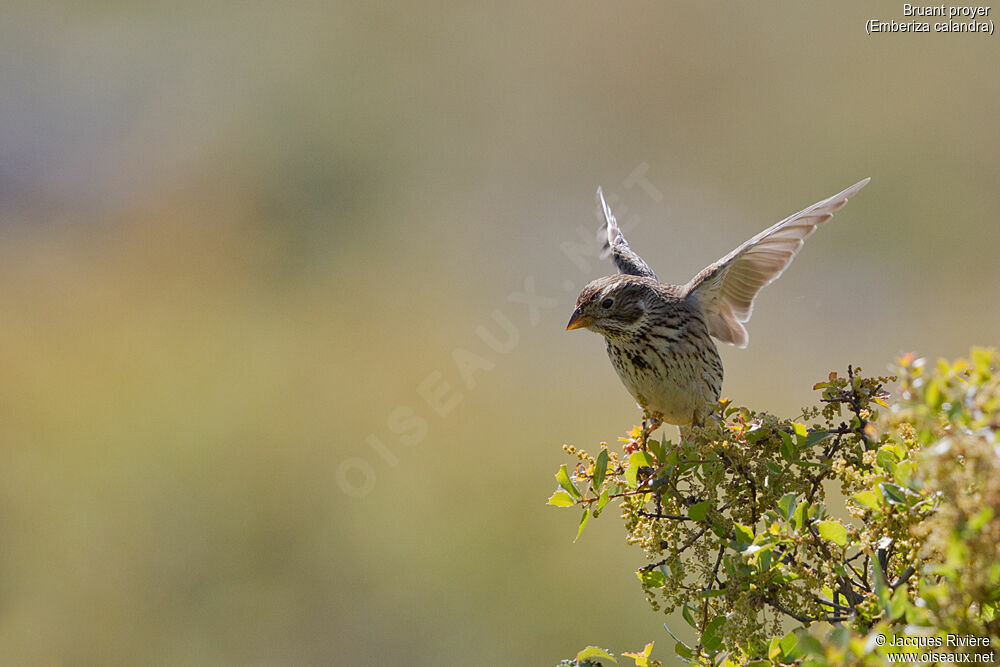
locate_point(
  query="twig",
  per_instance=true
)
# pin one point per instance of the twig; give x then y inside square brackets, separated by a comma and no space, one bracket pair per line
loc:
[715,570]
[903,576]
[801,618]
[657,515]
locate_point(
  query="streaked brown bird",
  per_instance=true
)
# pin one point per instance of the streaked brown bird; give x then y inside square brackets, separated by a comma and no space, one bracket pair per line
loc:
[659,336]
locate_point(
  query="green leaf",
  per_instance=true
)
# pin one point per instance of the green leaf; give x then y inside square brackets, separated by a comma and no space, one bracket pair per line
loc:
[903,473]
[773,468]
[683,650]
[787,505]
[833,531]
[564,481]
[710,638]
[815,438]
[658,449]
[744,536]
[788,450]
[642,458]
[686,612]
[866,499]
[600,468]
[583,523]
[980,519]
[809,645]
[635,461]
[718,527]
[932,395]
[561,499]
[799,516]
[899,603]
[699,511]
[840,637]
[774,649]
[671,456]
[602,501]
[893,494]
[657,483]
[785,577]
[652,578]
[886,458]
[764,559]
[711,593]
[594,652]
[788,645]
[881,587]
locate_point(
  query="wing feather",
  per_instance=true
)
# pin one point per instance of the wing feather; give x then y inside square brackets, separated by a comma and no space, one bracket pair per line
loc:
[727,288]
[617,247]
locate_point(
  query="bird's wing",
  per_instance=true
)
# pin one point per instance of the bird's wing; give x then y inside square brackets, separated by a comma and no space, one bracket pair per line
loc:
[617,247]
[726,289]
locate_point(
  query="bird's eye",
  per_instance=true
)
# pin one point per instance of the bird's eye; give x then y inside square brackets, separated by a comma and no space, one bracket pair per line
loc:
[607,303]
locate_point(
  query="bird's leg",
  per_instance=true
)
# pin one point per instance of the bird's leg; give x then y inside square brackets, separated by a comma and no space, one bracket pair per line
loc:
[653,424]
[699,420]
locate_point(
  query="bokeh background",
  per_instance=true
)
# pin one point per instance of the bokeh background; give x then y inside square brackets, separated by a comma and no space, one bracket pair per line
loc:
[241,245]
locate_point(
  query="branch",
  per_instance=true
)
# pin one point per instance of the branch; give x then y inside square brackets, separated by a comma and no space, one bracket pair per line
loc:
[801,618]
[904,575]
[657,515]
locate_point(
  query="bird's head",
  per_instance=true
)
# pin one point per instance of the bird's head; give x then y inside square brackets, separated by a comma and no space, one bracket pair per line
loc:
[613,306]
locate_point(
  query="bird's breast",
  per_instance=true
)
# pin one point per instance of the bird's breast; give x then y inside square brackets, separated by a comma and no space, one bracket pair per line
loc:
[671,371]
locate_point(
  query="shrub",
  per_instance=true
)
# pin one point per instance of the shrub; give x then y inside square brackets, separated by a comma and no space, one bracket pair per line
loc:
[859,529]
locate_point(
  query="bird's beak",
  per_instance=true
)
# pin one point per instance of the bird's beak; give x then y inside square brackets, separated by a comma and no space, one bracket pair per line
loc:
[579,320]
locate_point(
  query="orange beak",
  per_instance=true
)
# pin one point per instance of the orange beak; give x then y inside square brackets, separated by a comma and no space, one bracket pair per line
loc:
[579,320]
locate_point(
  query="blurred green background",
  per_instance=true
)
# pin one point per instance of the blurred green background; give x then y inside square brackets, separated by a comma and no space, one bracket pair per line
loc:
[238,238]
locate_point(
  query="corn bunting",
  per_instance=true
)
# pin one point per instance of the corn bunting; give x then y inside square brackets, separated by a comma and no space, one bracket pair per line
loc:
[659,336]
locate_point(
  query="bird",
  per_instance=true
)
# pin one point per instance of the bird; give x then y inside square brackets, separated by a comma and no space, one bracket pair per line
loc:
[659,336]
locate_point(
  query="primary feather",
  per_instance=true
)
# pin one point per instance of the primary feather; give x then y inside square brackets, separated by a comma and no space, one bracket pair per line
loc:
[621,252]
[726,289]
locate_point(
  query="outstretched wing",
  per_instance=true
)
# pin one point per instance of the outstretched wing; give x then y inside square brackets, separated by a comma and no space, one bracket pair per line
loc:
[617,247]
[726,289]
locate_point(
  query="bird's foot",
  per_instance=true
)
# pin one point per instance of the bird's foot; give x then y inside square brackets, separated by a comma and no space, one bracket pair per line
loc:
[653,424]
[704,425]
